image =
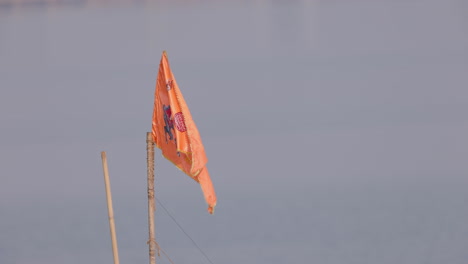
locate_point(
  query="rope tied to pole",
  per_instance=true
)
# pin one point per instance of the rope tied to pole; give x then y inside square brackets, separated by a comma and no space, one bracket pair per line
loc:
[153,242]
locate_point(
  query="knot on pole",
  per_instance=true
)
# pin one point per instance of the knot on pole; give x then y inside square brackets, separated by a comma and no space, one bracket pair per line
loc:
[153,242]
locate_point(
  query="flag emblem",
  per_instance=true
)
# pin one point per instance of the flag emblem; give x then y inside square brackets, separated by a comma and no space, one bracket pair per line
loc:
[179,121]
[169,125]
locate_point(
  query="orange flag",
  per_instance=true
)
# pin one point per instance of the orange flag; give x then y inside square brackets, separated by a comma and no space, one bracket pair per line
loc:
[176,134]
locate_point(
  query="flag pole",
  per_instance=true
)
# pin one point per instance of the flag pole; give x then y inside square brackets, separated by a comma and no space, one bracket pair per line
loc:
[110,210]
[151,205]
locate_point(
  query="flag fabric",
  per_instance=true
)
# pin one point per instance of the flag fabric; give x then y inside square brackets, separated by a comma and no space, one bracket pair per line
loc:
[175,133]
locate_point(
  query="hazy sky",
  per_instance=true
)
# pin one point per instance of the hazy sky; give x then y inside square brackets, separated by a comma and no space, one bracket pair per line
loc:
[336,131]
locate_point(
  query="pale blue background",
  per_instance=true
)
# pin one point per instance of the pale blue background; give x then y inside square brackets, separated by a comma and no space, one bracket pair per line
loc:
[336,131]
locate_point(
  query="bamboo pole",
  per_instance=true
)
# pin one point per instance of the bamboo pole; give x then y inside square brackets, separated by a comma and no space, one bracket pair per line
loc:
[151,205]
[110,210]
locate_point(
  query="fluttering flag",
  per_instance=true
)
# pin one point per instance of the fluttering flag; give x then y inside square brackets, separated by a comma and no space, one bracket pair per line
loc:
[175,133]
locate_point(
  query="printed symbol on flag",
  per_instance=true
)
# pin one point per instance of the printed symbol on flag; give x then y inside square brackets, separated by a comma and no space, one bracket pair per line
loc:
[168,121]
[179,121]
[169,85]
[170,124]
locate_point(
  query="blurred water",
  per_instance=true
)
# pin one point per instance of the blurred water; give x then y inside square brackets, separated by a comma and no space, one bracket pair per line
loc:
[336,130]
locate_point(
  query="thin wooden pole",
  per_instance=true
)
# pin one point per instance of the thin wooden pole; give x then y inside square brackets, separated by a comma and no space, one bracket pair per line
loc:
[110,210]
[151,205]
